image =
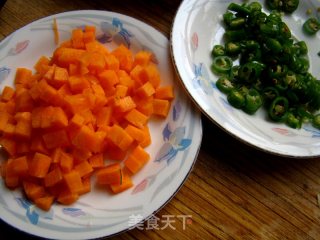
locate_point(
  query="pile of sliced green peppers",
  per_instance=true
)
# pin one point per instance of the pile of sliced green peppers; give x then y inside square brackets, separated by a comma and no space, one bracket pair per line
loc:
[273,67]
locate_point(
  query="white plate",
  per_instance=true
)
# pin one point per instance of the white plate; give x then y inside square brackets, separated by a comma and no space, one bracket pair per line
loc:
[176,139]
[196,29]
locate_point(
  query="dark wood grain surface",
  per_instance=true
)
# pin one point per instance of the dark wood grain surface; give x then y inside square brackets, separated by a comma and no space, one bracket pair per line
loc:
[234,191]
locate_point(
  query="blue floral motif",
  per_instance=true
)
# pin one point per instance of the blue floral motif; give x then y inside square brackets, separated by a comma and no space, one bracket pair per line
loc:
[4,73]
[73,212]
[315,133]
[116,32]
[33,213]
[174,142]
[201,79]
[176,111]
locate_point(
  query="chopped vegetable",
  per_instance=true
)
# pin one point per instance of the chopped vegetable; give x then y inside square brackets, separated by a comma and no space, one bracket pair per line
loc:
[83,103]
[311,26]
[288,6]
[273,68]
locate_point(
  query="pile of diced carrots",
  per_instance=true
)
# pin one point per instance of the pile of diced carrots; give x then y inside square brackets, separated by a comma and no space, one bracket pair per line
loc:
[85,105]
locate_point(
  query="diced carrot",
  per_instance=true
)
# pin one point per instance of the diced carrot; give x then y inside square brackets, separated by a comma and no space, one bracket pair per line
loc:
[9,130]
[60,77]
[56,155]
[104,116]
[144,105]
[142,58]
[165,93]
[120,137]
[147,137]
[146,90]
[33,190]
[108,79]
[11,177]
[23,147]
[86,185]
[24,101]
[88,37]
[23,127]
[96,160]
[39,165]
[136,133]
[67,56]
[83,168]
[124,55]
[42,65]
[22,76]
[4,118]
[77,38]
[112,63]
[136,118]
[161,107]
[37,144]
[121,91]
[115,153]
[78,84]
[66,161]
[95,46]
[67,197]
[150,73]
[137,159]
[20,166]
[124,185]
[125,80]
[9,145]
[53,177]
[73,181]
[44,202]
[124,104]
[110,174]
[54,139]
[7,93]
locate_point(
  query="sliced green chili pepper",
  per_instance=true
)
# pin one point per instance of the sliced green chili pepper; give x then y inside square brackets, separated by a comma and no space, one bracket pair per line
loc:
[237,22]
[228,17]
[232,48]
[293,120]
[250,71]
[253,101]
[269,94]
[274,45]
[278,109]
[236,35]
[289,6]
[254,6]
[224,84]
[270,29]
[301,48]
[218,50]
[277,71]
[221,64]
[274,4]
[284,31]
[236,99]
[242,10]
[311,26]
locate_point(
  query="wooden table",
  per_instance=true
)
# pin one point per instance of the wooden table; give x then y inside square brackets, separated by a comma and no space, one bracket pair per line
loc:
[234,191]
